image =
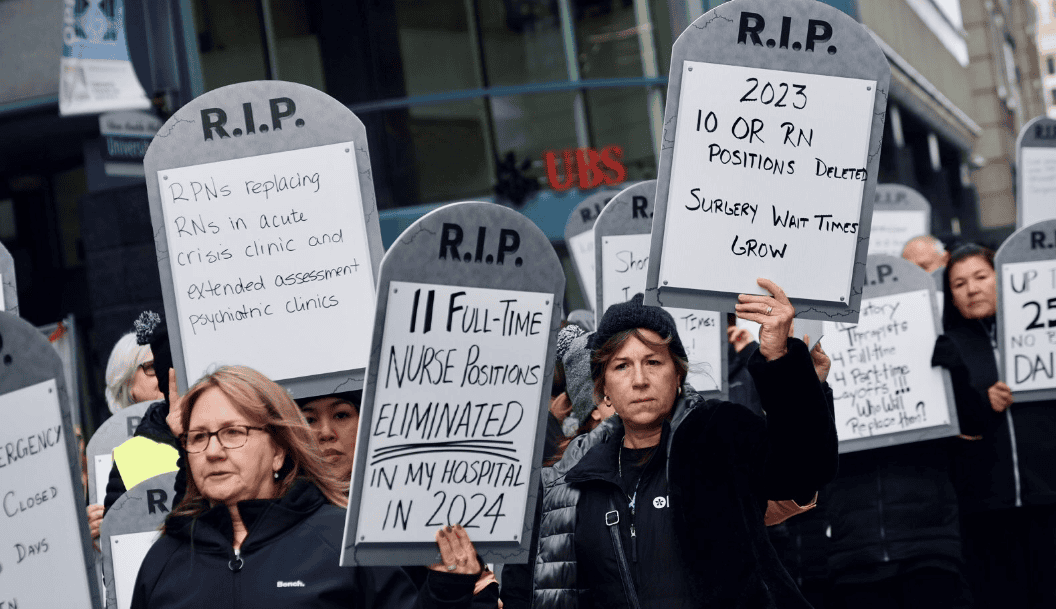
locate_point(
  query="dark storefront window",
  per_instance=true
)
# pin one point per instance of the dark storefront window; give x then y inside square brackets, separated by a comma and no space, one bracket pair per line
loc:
[230,41]
[522,42]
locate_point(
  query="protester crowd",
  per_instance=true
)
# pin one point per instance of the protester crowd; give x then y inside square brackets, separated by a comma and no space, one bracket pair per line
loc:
[652,496]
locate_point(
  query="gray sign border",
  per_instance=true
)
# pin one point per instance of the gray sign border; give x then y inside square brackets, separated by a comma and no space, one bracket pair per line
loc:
[575,226]
[411,261]
[36,362]
[617,219]
[859,57]
[1028,139]
[913,278]
[1010,252]
[180,143]
[10,283]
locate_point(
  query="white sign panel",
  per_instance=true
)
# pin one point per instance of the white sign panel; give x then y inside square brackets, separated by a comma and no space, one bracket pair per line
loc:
[40,539]
[881,375]
[1028,308]
[129,551]
[270,250]
[1037,196]
[766,181]
[103,464]
[891,230]
[626,262]
[581,247]
[454,419]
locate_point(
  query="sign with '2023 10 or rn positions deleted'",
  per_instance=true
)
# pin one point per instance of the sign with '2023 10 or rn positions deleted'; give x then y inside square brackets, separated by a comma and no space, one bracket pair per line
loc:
[886,390]
[1026,312]
[269,246]
[452,435]
[772,132]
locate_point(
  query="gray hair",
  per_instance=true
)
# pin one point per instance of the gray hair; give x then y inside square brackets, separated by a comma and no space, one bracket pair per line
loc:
[126,357]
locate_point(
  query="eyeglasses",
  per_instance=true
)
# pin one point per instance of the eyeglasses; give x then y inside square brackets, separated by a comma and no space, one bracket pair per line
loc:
[234,436]
[147,368]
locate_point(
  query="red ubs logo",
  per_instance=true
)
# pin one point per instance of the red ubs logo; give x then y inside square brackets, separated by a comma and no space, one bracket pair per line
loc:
[587,164]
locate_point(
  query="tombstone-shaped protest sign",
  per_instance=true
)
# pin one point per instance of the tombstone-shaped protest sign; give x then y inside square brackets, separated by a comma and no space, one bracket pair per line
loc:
[44,536]
[1036,177]
[267,235]
[8,286]
[885,388]
[899,214]
[771,144]
[128,530]
[580,241]
[1026,320]
[621,250]
[453,415]
[100,450]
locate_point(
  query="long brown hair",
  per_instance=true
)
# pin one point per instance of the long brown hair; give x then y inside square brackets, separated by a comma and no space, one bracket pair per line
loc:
[266,404]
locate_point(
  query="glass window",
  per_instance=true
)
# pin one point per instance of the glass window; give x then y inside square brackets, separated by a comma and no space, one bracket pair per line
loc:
[619,117]
[436,49]
[298,54]
[607,38]
[531,125]
[229,41]
[522,42]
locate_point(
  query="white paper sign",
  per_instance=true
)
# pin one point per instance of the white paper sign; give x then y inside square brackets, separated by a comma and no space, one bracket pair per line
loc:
[40,538]
[103,464]
[1038,196]
[767,180]
[1028,300]
[626,262]
[881,375]
[581,247]
[129,551]
[891,230]
[453,430]
[269,259]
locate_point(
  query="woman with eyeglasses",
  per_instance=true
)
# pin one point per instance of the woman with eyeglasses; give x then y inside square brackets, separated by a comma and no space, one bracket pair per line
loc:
[262,518]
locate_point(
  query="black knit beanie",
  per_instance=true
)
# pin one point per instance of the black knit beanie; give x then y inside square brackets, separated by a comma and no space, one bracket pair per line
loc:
[634,314]
[151,330]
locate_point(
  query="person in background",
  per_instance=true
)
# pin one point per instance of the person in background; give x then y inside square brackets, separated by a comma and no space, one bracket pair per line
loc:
[1004,464]
[130,379]
[335,420]
[263,506]
[663,505]
[927,252]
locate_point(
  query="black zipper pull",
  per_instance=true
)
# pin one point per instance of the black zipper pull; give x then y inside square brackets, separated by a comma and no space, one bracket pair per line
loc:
[634,543]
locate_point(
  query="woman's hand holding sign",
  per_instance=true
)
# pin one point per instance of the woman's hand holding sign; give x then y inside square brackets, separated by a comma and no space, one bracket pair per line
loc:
[773,313]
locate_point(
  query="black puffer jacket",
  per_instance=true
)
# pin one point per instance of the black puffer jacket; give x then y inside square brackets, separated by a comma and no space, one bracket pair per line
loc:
[288,559]
[1014,462]
[722,465]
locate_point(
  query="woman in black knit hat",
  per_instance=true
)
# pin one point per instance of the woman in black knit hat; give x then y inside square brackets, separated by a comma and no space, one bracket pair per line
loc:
[663,505]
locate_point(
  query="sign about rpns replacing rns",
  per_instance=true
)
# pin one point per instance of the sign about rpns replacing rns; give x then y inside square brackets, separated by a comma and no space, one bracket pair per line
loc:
[771,144]
[458,385]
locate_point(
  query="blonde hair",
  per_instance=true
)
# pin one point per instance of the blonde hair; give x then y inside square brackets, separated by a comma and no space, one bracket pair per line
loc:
[266,404]
[125,358]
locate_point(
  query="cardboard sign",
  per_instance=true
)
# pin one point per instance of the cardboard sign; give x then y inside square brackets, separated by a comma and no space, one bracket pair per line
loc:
[899,214]
[128,530]
[100,450]
[1026,320]
[453,415]
[580,241]
[775,112]
[44,536]
[886,390]
[8,287]
[267,235]
[1036,178]
[621,235]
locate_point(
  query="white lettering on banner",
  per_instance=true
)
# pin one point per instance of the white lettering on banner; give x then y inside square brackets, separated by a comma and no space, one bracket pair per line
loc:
[275,247]
[625,262]
[891,230]
[1038,184]
[1028,308]
[767,179]
[40,536]
[452,433]
[881,375]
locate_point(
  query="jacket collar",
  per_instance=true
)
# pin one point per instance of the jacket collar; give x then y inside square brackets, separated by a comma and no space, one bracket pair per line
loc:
[264,520]
[600,462]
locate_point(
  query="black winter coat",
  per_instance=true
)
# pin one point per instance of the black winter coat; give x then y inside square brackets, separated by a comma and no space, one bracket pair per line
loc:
[722,463]
[154,427]
[288,559]
[1014,462]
